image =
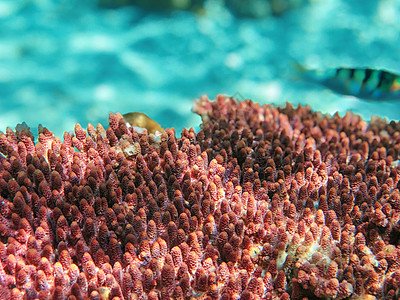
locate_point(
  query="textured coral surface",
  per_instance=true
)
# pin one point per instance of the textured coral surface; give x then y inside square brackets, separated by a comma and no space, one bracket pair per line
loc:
[263,202]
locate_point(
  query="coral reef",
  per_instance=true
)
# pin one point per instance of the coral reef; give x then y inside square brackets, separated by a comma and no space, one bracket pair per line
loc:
[263,202]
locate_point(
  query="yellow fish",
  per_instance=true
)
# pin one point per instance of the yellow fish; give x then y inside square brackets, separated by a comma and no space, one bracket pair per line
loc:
[143,121]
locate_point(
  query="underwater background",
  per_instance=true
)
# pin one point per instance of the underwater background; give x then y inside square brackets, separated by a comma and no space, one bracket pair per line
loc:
[63,62]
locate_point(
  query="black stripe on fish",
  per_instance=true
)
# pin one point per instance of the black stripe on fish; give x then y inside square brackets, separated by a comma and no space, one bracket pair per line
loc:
[351,73]
[368,73]
[385,80]
[381,75]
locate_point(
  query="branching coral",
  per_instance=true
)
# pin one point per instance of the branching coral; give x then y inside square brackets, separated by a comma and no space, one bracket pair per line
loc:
[263,202]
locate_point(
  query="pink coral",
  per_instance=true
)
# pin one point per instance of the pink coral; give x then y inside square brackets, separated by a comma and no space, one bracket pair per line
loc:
[263,202]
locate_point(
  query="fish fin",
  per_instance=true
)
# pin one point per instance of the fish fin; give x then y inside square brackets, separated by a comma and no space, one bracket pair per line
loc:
[238,96]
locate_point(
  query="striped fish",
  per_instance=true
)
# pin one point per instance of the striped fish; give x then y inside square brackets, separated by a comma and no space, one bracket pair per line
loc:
[362,83]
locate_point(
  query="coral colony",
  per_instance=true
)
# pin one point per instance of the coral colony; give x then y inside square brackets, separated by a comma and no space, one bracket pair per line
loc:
[263,202]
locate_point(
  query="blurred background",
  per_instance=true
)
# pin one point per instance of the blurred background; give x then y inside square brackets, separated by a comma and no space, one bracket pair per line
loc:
[68,61]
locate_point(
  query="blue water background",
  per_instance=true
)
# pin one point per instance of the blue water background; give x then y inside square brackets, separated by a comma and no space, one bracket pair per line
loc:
[63,62]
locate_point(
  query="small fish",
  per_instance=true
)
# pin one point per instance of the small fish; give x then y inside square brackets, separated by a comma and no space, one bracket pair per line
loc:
[363,83]
[141,120]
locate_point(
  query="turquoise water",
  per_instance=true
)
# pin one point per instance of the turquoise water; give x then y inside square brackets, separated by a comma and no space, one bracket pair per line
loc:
[68,62]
